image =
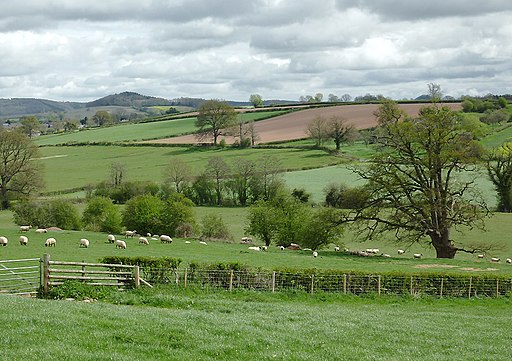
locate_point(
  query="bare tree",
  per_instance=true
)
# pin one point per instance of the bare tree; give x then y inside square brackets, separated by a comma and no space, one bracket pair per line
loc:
[117,172]
[218,170]
[317,130]
[340,131]
[178,173]
[20,174]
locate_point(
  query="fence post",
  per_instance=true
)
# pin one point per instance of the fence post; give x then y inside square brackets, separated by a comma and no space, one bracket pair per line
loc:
[231,280]
[378,285]
[136,276]
[185,279]
[411,286]
[312,283]
[442,284]
[497,287]
[469,289]
[83,269]
[345,283]
[273,281]
[46,272]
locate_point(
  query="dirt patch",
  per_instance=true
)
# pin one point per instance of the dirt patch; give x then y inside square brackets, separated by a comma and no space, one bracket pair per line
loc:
[472,269]
[293,125]
[433,265]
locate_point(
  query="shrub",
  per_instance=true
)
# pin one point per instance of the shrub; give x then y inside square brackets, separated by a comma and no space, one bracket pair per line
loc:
[54,213]
[100,215]
[77,290]
[143,213]
[214,228]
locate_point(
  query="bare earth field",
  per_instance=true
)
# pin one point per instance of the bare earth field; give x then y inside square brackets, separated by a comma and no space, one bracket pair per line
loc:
[293,125]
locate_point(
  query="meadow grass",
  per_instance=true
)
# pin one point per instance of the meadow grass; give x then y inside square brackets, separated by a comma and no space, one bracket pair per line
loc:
[137,131]
[188,325]
[68,167]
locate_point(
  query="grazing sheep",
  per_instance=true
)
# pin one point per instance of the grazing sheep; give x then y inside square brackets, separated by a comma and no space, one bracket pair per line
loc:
[143,240]
[23,240]
[385,255]
[336,249]
[372,250]
[120,244]
[281,248]
[509,260]
[495,259]
[294,247]
[111,238]
[315,254]
[165,239]
[307,249]
[25,228]
[41,230]
[203,243]
[3,241]
[187,242]
[401,251]
[84,242]
[254,248]
[264,248]
[129,234]
[417,255]
[363,254]
[148,235]
[480,256]
[50,242]
[246,240]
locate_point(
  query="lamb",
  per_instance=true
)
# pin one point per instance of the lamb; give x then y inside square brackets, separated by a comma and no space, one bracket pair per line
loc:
[495,259]
[417,255]
[25,228]
[50,242]
[111,238]
[254,248]
[23,240]
[41,230]
[130,234]
[148,235]
[165,239]
[401,251]
[315,254]
[143,240]
[84,242]
[120,244]
[3,241]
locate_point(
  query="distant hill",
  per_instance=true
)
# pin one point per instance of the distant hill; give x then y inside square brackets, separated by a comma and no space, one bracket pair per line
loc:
[129,99]
[15,107]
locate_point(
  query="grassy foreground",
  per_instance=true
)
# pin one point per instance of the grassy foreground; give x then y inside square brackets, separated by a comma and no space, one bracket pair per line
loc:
[254,326]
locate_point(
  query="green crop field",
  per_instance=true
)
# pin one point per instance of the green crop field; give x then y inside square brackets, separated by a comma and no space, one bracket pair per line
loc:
[137,131]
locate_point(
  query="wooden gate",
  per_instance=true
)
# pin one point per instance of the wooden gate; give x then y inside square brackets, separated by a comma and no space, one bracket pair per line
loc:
[20,276]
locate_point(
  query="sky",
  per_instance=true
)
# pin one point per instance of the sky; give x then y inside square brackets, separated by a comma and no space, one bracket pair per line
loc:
[81,50]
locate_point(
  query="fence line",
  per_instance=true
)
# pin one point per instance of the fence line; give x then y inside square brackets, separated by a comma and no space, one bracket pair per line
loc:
[20,276]
[346,283]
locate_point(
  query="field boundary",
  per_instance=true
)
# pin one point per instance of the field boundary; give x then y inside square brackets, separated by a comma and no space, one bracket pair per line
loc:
[20,276]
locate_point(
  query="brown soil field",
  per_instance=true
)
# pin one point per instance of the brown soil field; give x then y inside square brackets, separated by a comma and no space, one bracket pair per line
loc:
[292,126]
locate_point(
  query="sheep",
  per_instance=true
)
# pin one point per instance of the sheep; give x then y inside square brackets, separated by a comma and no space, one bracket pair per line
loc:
[254,248]
[143,240]
[264,248]
[129,234]
[50,242]
[336,249]
[23,240]
[401,251]
[417,255]
[3,241]
[509,260]
[480,256]
[203,243]
[315,254]
[84,242]
[495,259]
[41,230]
[25,228]
[281,248]
[111,238]
[165,239]
[385,255]
[307,249]
[148,235]
[120,244]
[245,240]
[154,238]
[372,250]
[187,242]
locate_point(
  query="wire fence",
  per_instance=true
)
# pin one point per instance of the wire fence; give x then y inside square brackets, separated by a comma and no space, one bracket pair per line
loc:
[346,283]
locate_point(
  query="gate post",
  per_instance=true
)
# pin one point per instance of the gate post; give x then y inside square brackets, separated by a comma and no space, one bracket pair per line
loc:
[136,276]
[46,272]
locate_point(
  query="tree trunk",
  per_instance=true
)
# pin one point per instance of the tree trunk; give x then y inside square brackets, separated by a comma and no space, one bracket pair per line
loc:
[443,245]
[4,200]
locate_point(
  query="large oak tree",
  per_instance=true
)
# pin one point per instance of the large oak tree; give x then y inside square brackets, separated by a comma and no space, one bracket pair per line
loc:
[214,117]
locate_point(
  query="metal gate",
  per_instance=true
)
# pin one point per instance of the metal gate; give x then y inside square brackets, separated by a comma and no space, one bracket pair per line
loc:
[20,276]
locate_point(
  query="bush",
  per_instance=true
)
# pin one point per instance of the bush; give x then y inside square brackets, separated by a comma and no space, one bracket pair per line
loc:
[143,213]
[157,270]
[214,228]
[54,213]
[100,215]
[77,290]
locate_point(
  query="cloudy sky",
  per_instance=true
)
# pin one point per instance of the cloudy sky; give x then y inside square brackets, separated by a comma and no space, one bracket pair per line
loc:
[81,50]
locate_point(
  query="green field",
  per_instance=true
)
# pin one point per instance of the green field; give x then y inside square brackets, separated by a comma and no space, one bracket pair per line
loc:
[165,325]
[137,131]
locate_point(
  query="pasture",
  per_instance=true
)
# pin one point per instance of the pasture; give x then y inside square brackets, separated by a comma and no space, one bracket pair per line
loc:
[161,324]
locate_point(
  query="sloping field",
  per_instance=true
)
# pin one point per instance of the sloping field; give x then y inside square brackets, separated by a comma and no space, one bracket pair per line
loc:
[293,125]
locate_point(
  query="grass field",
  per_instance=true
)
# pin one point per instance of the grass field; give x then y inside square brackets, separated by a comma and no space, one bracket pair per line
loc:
[165,325]
[137,131]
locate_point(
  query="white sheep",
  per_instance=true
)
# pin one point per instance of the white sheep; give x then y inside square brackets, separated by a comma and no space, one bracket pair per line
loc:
[143,240]
[385,255]
[254,248]
[25,228]
[401,251]
[336,249]
[84,242]
[509,260]
[148,235]
[417,255]
[154,238]
[315,254]
[120,244]
[129,234]
[495,259]
[3,241]
[372,250]
[50,242]
[41,230]
[246,240]
[188,242]
[264,248]
[23,240]
[480,256]
[165,239]
[281,248]
[203,243]
[111,238]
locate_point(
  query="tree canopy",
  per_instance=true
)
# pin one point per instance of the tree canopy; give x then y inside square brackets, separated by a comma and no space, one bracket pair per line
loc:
[215,116]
